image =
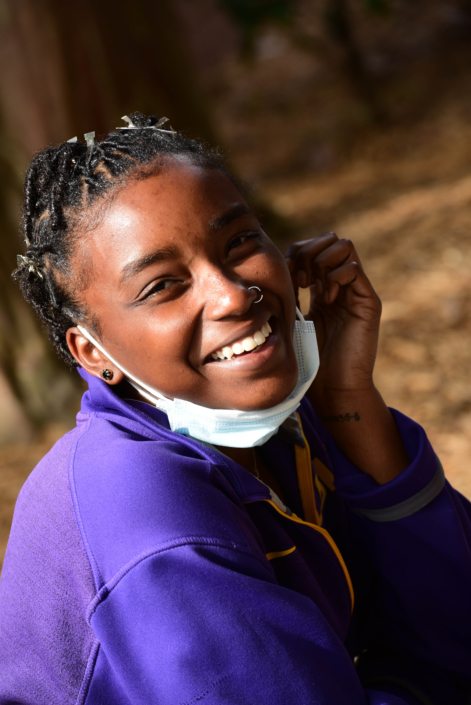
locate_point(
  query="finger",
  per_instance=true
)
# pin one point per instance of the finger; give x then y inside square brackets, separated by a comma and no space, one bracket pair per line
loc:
[290,259]
[334,257]
[300,256]
[314,245]
[337,254]
[351,275]
[294,247]
[294,281]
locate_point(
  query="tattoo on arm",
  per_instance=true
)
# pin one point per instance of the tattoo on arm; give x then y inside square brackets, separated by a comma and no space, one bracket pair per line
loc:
[342,417]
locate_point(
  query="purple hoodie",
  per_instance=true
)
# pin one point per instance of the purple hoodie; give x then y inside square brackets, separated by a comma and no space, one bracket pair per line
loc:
[144,567]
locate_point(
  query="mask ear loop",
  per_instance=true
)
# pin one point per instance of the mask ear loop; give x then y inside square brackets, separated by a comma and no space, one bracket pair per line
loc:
[301,319]
[152,395]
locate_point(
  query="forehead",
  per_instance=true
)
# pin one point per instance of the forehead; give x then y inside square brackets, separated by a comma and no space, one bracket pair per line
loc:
[174,211]
[180,197]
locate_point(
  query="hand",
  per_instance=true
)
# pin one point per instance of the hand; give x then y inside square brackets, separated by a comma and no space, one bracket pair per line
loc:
[346,313]
[345,309]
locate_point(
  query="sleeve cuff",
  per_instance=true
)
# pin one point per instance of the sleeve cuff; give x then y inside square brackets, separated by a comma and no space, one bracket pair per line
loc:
[411,505]
[413,489]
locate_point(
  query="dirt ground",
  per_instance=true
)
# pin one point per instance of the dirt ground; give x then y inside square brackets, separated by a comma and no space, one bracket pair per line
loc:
[415,244]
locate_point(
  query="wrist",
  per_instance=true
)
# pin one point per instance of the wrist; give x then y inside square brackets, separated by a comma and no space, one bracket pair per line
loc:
[362,426]
[334,401]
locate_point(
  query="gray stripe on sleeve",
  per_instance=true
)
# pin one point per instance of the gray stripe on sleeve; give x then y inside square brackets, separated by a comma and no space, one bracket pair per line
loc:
[411,505]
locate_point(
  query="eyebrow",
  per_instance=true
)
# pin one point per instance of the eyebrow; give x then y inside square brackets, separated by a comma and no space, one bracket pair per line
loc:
[235,212]
[136,266]
[166,253]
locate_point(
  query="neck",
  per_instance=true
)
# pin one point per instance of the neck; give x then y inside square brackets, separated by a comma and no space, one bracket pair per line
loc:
[253,462]
[241,456]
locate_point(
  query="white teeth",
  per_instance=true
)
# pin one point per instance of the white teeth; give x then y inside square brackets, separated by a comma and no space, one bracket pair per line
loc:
[259,337]
[249,344]
[246,345]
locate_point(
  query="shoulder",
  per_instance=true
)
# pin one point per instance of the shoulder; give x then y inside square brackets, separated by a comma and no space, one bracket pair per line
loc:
[136,491]
[45,538]
[45,499]
[46,581]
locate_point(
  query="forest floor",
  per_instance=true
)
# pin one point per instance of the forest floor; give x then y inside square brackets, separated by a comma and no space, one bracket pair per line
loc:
[403,195]
[414,240]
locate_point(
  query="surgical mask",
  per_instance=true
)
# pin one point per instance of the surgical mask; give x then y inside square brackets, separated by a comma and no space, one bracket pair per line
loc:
[231,427]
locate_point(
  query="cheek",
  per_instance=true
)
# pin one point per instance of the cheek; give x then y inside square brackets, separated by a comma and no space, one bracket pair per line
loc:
[276,274]
[153,347]
[165,338]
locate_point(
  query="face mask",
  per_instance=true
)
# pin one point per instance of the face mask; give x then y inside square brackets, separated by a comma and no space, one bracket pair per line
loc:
[230,427]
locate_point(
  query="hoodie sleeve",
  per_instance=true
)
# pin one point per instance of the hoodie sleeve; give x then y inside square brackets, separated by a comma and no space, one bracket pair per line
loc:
[204,621]
[410,545]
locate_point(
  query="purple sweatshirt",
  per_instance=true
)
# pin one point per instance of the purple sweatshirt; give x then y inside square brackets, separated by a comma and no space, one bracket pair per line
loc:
[146,568]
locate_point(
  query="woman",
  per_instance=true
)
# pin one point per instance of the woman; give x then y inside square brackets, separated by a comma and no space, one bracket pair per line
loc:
[219,526]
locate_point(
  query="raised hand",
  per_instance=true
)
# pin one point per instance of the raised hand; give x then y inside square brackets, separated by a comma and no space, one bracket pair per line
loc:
[344,307]
[346,313]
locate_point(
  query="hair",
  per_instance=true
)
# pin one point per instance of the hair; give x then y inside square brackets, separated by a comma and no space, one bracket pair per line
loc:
[65,189]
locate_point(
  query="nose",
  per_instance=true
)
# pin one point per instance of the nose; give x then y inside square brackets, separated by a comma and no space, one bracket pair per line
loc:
[226,298]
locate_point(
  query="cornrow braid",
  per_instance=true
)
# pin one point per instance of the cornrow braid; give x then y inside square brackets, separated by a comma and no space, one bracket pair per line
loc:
[61,186]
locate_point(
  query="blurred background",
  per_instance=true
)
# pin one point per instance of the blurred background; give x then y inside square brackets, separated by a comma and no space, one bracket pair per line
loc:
[346,115]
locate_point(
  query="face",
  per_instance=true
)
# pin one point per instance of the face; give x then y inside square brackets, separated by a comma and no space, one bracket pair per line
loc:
[172,263]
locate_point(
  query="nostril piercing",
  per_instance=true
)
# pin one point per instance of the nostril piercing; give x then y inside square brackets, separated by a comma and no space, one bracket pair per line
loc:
[258,289]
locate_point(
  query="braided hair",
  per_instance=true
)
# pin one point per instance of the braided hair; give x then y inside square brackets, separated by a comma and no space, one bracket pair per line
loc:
[62,186]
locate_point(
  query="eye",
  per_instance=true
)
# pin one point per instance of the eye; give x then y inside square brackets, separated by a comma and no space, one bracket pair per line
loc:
[159,287]
[240,241]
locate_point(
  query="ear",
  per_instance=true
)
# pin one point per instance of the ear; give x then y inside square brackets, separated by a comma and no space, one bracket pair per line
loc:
[90,358]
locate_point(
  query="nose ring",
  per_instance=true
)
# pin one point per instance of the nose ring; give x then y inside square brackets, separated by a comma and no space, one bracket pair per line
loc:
[261,295]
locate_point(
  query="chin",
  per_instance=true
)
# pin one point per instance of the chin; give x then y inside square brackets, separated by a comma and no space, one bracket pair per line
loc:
[266,398]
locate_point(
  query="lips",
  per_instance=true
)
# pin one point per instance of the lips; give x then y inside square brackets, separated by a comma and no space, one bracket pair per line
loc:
[247,344]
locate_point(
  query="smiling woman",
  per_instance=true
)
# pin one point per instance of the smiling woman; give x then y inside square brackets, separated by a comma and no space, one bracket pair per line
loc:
[237,517]
[181,253]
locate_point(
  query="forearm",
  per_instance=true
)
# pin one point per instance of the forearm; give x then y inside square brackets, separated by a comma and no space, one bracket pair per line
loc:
[364,429]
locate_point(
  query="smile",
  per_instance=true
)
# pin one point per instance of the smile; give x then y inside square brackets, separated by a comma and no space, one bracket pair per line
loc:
[248,344]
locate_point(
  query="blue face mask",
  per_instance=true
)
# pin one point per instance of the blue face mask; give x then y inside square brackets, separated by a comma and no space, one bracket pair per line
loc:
[230,427]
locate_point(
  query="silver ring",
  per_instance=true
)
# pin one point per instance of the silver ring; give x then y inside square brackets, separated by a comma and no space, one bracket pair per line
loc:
[261,295]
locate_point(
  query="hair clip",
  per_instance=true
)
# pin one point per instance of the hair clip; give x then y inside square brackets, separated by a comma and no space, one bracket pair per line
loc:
[72,141]
[131,126]
[90,140]
[162,121]
[32,264]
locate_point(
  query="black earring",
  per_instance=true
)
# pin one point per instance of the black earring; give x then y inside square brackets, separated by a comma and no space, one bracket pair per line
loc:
[108,375]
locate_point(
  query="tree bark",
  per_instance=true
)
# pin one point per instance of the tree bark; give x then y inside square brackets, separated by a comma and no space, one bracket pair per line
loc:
[66,69]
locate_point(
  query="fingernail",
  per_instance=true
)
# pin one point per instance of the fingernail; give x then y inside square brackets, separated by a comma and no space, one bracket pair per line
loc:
[319,287]
[302,279]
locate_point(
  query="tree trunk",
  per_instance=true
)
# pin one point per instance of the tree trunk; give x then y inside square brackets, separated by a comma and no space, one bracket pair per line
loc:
[65,69]
[341,29]
[32,114]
